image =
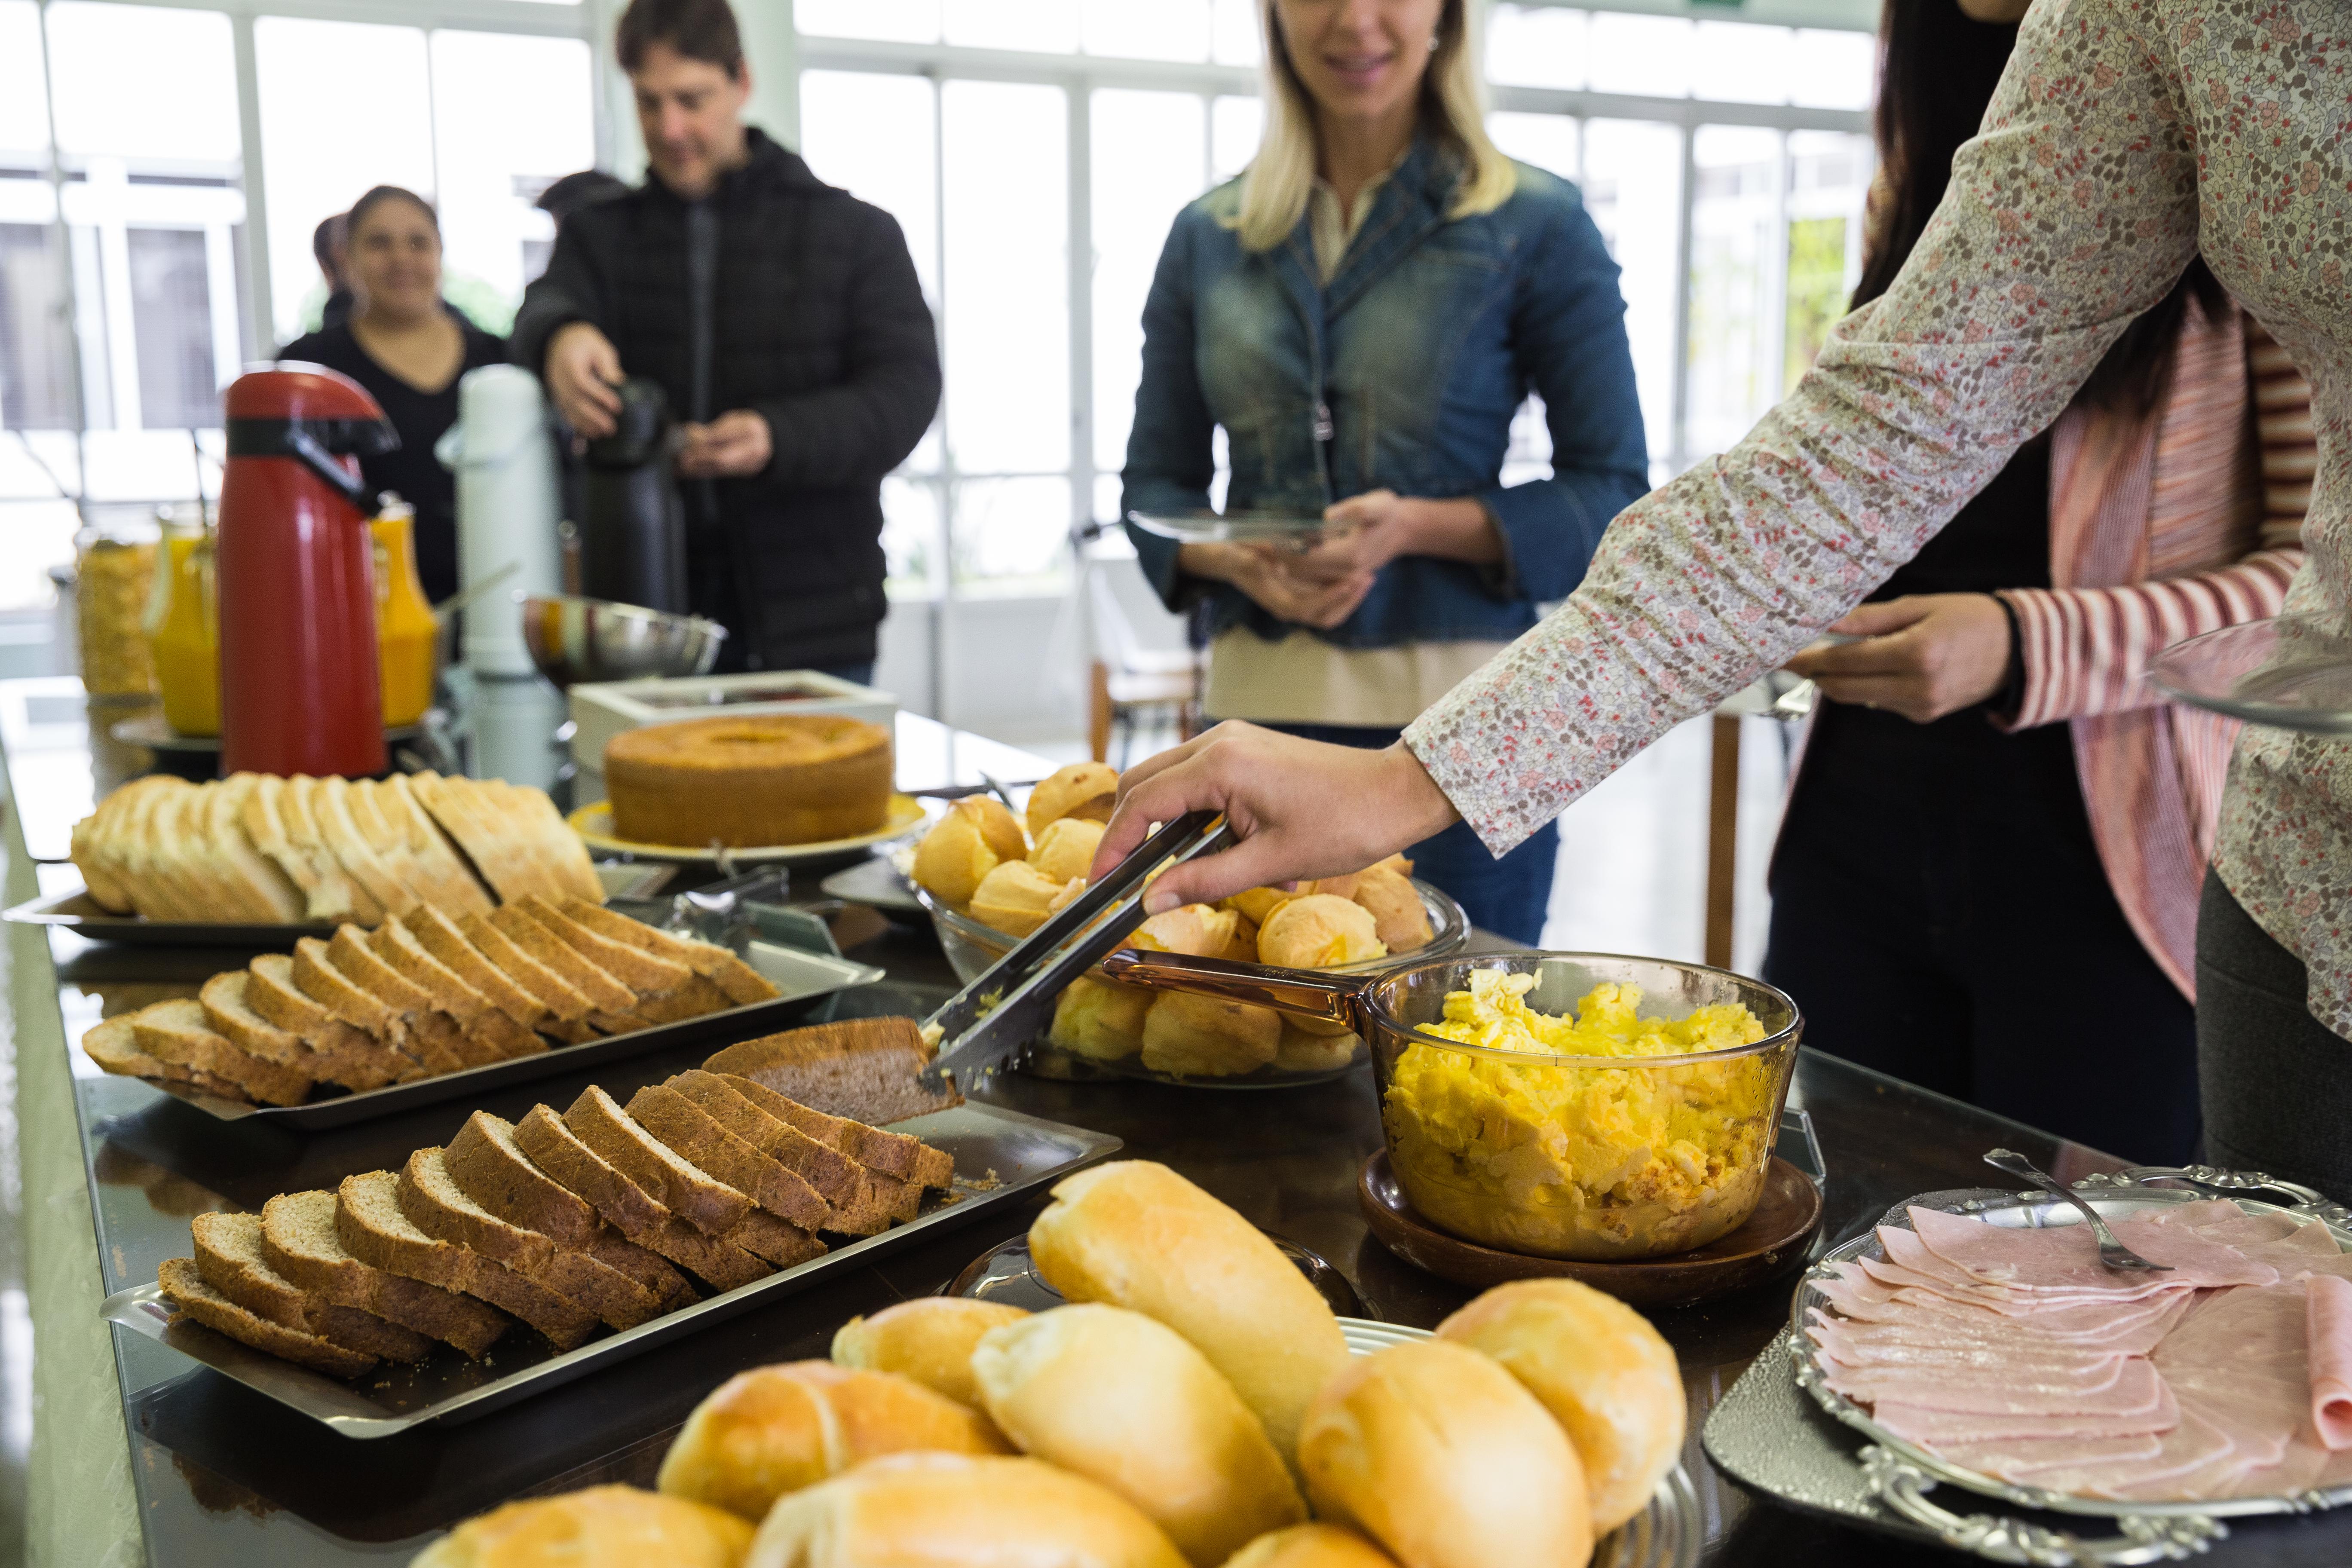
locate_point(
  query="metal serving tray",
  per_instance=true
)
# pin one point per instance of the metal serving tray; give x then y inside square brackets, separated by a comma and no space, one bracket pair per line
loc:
[1901,1473]
[77,912]
[1014,1153]
[805,978]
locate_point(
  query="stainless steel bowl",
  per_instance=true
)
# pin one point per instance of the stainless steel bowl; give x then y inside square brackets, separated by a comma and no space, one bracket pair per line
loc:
[574,640]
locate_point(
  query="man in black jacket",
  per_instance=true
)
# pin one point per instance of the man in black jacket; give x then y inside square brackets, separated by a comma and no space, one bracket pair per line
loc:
[782,319]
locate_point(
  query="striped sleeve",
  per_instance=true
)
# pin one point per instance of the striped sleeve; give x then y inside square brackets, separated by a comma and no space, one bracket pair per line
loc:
[2087,650]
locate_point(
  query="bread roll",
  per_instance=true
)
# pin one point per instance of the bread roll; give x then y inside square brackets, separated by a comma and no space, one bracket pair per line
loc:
[775,1429]
[1015,898]
[1256,903]
[1320,931]
[947,1510]
[1139,1236]
[1304,1048]
[1399,916]
[1070,893]
[1083,789]
[1607,1377]
[1196,928]
[1243,947]
[964,847]
[1065,851]
[1207,1037]
[1101,1022]
[1312,1546]
[1336,886]
[928,1338]
[1126,1400]
[1443,1458]
[602,1527]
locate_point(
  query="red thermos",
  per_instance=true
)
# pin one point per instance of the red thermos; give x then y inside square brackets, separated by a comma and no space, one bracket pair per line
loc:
[299,691]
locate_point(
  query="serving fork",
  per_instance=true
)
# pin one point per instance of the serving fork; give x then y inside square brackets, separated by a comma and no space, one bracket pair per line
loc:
[2113,1253]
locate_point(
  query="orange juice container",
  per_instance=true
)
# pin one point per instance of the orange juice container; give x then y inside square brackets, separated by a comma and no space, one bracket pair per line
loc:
[404,629]
[182,629]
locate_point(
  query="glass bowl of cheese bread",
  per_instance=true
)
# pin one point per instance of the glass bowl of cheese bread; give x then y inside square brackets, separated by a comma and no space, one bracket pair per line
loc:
[990,877]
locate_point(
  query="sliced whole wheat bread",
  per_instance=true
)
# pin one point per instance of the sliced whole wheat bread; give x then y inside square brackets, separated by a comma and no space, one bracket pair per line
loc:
[846,1187]
[371,1226]
[227,1012]
[863,1068]
[233,1261]
[437,1205]
[488,1167]
[299,1240]
[738,981]
[776,1240]
[603,990]
[554,993]
[695,1195]
[689,1130]
[177,1031]
[555,1149]
[439,935]
[343,1054]
[114,1045]
[640,970]
[185,1289]
[879,1150]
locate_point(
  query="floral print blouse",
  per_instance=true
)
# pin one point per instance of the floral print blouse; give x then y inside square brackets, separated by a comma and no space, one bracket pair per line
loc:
[2126,135]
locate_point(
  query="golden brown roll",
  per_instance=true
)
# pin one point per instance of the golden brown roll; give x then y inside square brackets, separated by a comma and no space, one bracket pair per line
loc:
[973,840]
[1014,899]
[775,1429]
[1200,929]
[1083,789]
[602,1527]
[1243,947]
[1125,1400]
[1312,1546]
[1399,916]
[1607,1377]
[1443,1458]
[1206,1036]
[928,1338]
[1139,1236]
[1101,1022]
[1065,851]
[1319,931]
[1069,894]
[1256,903]
[947,1510]
[1303,1048]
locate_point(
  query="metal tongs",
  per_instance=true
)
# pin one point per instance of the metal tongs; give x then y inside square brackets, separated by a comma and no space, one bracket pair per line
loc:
[993,1020]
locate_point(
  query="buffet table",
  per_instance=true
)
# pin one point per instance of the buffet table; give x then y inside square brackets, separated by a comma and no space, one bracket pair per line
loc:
[208,1472]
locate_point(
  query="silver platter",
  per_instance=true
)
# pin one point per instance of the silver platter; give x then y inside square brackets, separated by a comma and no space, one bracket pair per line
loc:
[1901,1473]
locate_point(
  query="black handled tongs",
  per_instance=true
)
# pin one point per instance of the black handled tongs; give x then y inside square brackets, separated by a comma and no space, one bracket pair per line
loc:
[995,1018]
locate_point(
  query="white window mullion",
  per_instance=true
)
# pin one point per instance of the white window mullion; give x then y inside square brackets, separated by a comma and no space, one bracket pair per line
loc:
[1678,444]
[1082,303]
[260,337]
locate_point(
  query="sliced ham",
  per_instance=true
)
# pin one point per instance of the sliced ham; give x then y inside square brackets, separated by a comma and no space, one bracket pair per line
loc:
[2328,1328]
[2020,1354]
[1935,1428]
[2021,1458]
[2131,1389]
[2194,1445]
[2066,1256]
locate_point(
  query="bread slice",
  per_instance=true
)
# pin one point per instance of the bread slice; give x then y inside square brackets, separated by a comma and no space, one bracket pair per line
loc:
[339,1052]
[303,805]
[776,1240]
[298,1240]
[865,1069]
[649,1268]
[455,889]
[114,1046]
[689,1130]
[231,1258]
[634,967]
[601,989]
[332,805]
[389,844]
[555,1149]
[845,1185]
[264,888]
[176,1031]
[736,980]
[488,1167]
[438,935]
[433,1038]
[92,848]
[371,1227]
[266,818]
[222,998]
[881,1152]
[626,1023]
[673,1006]
[176,823]
[703,1201]
[185,1289]
[489,1035]
[437,1205]
[315,974]
[457,806]
[561,858]
[554,993]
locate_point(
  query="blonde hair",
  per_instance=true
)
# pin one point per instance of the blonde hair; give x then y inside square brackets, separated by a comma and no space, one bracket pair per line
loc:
[1275,186]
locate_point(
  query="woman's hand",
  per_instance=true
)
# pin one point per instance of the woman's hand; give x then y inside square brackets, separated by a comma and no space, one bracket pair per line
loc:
[583,369]
[730,447]
[1269,581]
[1303,809]
[1922,655]
[1371,529]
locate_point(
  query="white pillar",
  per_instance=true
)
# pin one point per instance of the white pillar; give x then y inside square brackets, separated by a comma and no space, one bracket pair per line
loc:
[772,48]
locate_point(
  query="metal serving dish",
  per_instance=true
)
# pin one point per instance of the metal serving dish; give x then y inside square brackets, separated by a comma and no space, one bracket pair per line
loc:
[1017,1153]
[1901,1473]
[77,912]
[576,639]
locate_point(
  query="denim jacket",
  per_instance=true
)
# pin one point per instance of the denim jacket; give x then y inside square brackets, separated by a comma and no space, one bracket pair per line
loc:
[1404,372]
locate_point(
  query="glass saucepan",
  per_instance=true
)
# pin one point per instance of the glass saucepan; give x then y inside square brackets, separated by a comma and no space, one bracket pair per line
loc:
[1596,1157]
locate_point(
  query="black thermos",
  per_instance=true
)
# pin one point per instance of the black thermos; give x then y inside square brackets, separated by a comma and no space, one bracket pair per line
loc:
[633,527]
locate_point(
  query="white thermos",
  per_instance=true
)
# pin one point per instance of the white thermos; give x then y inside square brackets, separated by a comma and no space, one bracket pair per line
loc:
[509,503]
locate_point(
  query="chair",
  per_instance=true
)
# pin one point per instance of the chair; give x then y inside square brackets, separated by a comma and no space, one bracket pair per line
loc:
[1128,679]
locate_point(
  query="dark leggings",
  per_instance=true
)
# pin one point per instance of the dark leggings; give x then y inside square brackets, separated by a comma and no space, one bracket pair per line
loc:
[2278,1097]
[1940,913]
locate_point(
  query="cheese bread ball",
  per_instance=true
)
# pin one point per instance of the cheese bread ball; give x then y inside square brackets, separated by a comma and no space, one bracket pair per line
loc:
[1065,851]
[1198,930]
[1206,1036]
[1083,789]
[1101,1022]
[973,840]
[1014,899]
[1399,916]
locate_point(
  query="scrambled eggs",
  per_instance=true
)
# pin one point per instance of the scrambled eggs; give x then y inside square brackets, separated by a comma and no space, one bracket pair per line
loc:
[1581,1161]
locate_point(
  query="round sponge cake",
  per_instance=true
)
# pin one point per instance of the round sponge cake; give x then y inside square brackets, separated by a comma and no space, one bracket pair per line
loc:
[750,782]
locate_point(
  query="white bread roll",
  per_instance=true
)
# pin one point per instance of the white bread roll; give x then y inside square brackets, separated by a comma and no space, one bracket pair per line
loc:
[1139,1236]
[1398,916]
[1200,929]
[1065,851]
[1312,1546]
[775,1429]
[1014,899]
[1082,789]
[973,840]
[1601,1369]
[1443,1458]
[1099,1021]
[948,1510]
[1123,1399]
[602,1527]
[929,1339]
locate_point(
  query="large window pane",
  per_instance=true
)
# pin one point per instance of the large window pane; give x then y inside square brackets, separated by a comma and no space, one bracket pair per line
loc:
[912,541]
[1834,70]
[1645,54]
[1735,319]
[1162,30]
[1738,62]
[1632,187]
[171,305]
[1235,124]
[1012,535]
[511,115]
[1006,292]
[1146,166]
[1829,180]
[874,137]
[1043,26]
[24,102]
[35,367]
[899,21]
[380,136]
[146,82]
[1537,46]
[1547,141]
[1240,37]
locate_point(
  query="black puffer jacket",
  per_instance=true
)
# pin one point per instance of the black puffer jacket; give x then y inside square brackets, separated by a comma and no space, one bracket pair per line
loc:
[818,324]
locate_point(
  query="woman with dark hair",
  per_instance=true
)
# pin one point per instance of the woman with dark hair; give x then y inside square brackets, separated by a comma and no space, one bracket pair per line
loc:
[1936,848]
[409,349]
